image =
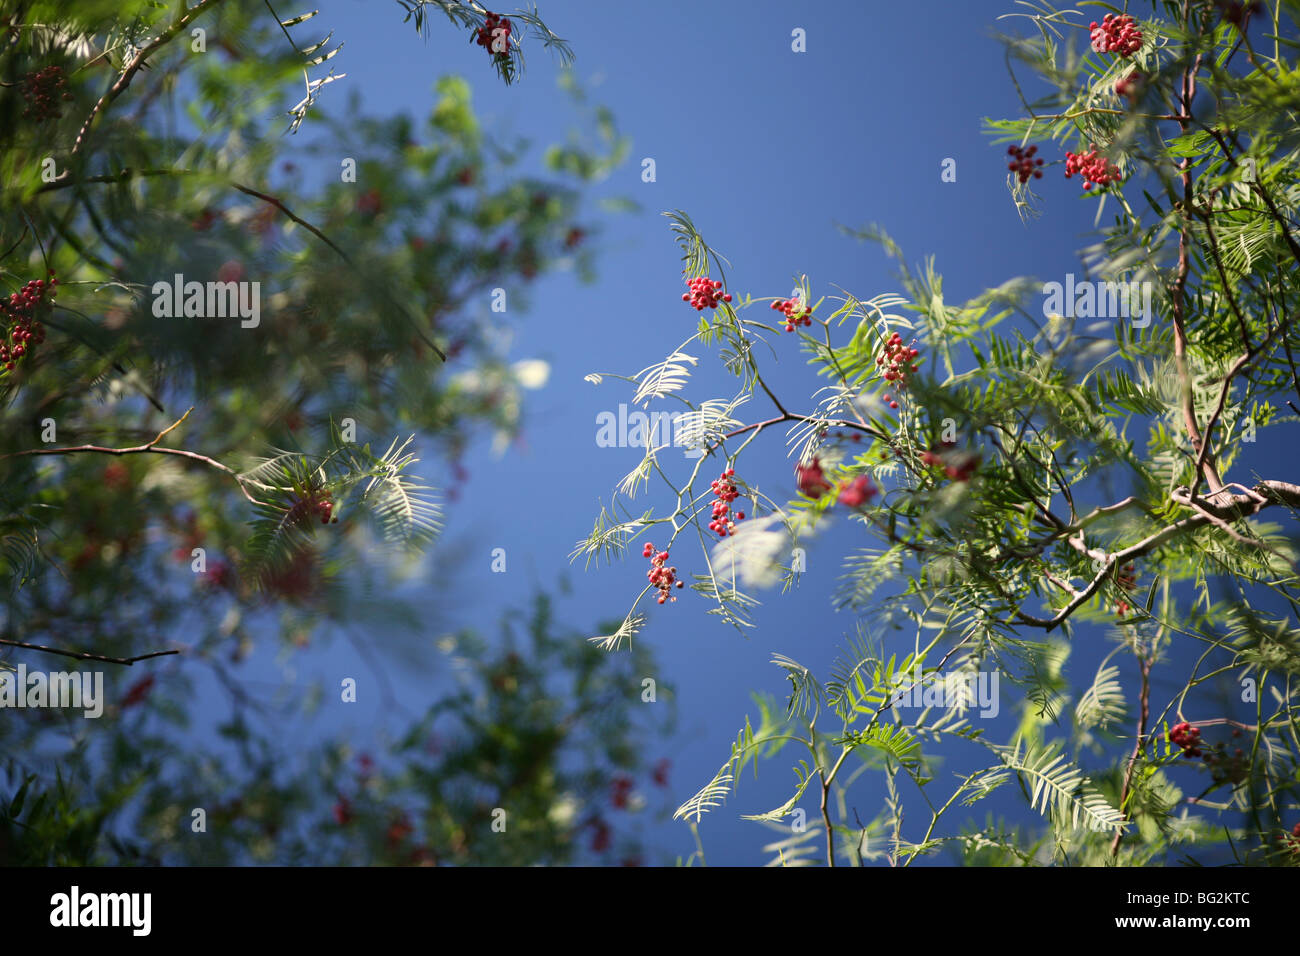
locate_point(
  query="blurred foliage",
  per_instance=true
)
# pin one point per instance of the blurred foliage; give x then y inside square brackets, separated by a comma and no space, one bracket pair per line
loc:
[530,754]
[380,244]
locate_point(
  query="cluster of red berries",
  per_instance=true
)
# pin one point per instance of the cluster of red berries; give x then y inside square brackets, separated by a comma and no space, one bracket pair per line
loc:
[958,466]
[1126,578]
[1127,86]
[856,493]
[1092,167]
[1188,737]
[660,772]
[43,89]
[220,575]
[204,220]
[896,364]
[1116,35]
[724,493]
[370,203]
[1291,840]
[853,493]
[1023,163]
[621,787]
[1225,767]
[190,532]
[343,811]
[665,579]
[494,35]
[116,475]
[399,829]
[812,481]
[796,313]
[704,294]
[314,503]
[18,318]
[600,835]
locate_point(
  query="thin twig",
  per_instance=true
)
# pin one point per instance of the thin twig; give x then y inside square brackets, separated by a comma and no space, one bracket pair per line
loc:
[149,447]
[1145,700]
[85,656]
[342,255]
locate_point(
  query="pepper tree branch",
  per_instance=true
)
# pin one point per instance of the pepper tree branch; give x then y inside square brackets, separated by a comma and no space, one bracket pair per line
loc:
[84,656]
[345,257]
[64,180]
[1292,246]
[1227,508]
[1144,698]
[133,67]
[149,447]
[1206,470]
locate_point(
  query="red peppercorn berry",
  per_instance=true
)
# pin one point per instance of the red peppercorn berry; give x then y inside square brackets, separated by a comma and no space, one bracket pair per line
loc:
[958,466]
[1186,736]
[138,692]
[1128,85]
[1125,578]
[856,493]
[812,482]
[600,837]
[343,811]
[660,772]
[219,575]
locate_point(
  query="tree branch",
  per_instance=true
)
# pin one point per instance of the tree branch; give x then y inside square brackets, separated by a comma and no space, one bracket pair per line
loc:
[123,81]
[147,448]
[1230,508]
[1145,702]
[84,656]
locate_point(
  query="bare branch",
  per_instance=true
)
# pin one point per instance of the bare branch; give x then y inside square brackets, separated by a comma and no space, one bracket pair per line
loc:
[85,656]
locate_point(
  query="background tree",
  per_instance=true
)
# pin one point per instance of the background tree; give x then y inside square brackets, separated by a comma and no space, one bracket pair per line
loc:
[190,486]
[1033,469]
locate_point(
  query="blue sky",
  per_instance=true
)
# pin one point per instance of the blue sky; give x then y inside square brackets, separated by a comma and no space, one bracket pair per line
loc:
[766,149]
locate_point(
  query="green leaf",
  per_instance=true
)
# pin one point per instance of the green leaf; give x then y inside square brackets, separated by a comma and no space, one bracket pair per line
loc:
[16,804]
